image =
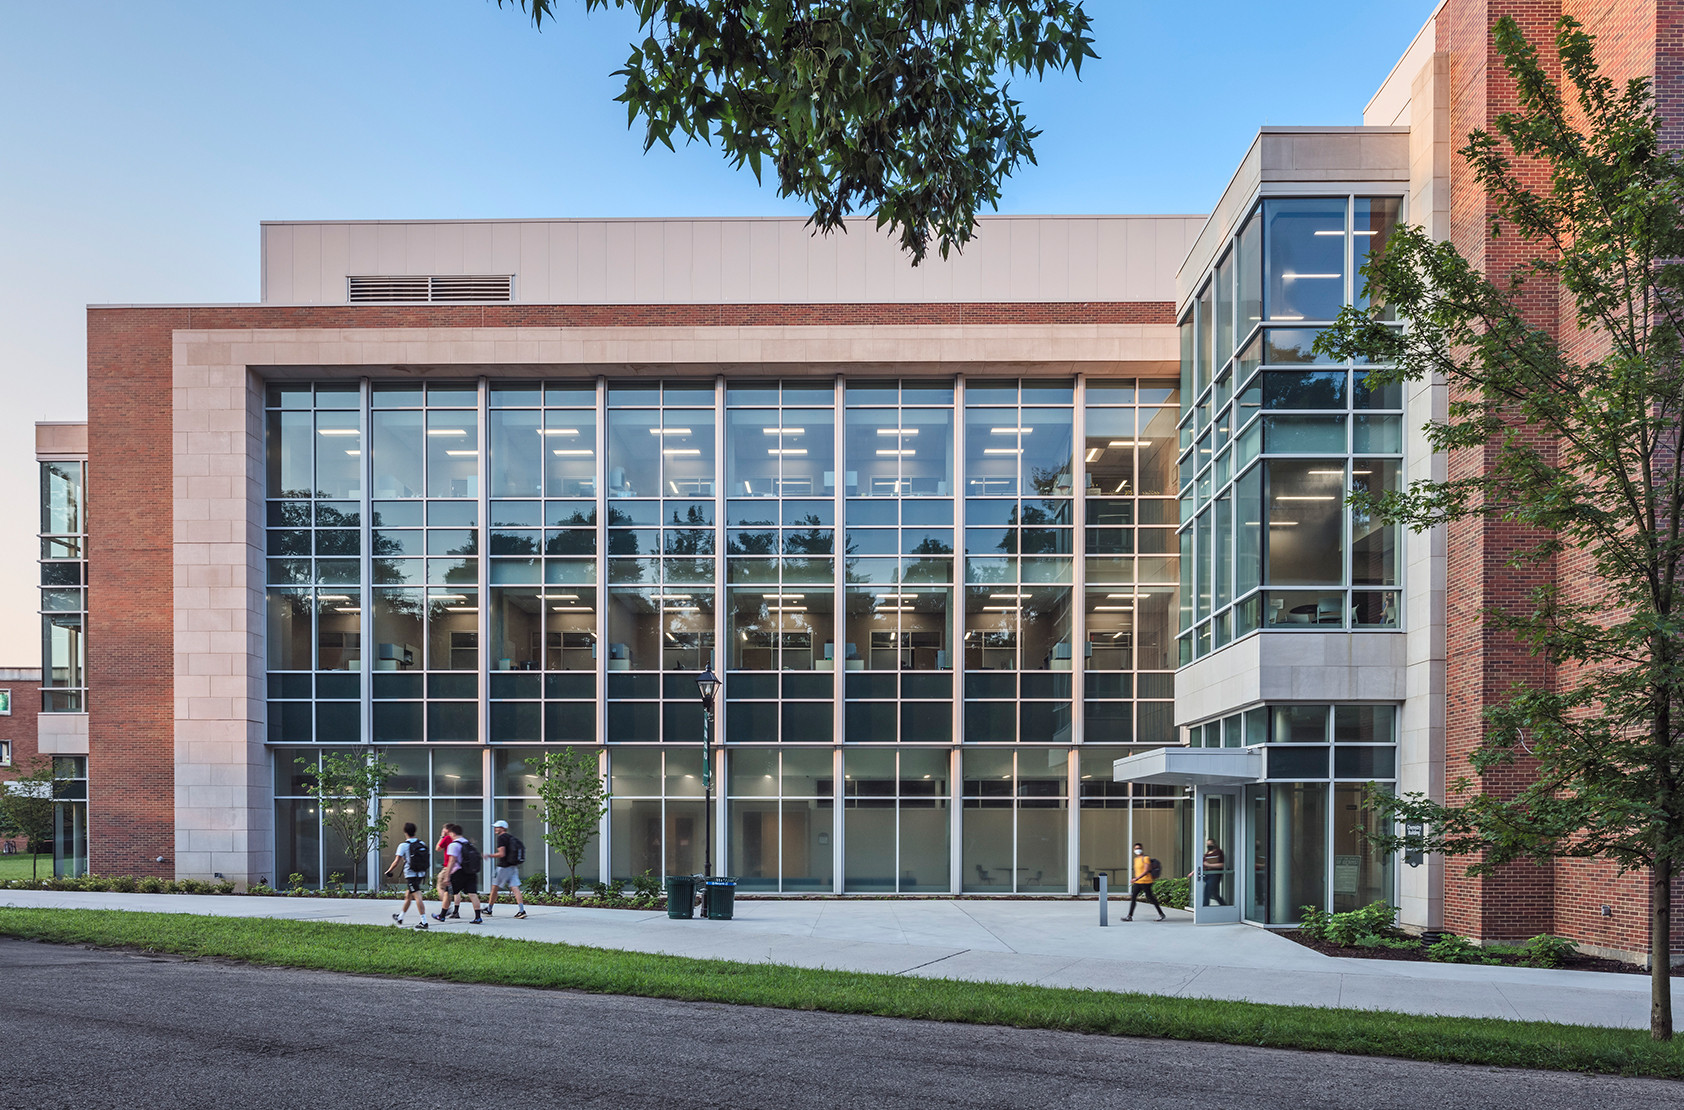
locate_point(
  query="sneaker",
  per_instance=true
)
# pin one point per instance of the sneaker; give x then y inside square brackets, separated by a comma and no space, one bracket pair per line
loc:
[456,915]
[477,921]
[1161,917]
[397,919]
[421,925]
[436,916]
[487,911]
[519,914]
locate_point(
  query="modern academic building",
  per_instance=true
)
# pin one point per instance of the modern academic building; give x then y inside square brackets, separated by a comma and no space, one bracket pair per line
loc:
[1005,562]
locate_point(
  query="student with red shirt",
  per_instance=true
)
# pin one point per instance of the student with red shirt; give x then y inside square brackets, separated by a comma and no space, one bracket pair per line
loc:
[444,873]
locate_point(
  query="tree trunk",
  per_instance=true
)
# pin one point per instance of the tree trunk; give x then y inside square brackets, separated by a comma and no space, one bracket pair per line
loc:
[1660,952]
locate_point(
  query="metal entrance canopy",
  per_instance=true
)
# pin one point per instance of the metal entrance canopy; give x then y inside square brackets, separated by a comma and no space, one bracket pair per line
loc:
[1191,767]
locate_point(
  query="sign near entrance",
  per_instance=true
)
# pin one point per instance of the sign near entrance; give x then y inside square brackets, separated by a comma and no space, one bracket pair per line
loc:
[1414,830]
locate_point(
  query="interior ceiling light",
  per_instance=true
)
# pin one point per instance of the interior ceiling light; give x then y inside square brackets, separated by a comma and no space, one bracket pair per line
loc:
[466,453]
[681,451]
[1113,608]
[571,609]
[784,431]
[1002,450]
[572,452]
[1309,277]
[1093,454]
[669,431]
[333,597]
[786,450]
[354,453]
[447,597]
[1130,443]
[560,597]
[1017,431]
[1327,473]
[338,432]
[786,608]
[784,597]
[461,608]
[1306,497]
[897,431]
[558,431]
[896,452]
[447,431]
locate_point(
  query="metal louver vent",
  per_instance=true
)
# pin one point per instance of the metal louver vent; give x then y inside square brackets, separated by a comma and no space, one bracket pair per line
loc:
[388,290]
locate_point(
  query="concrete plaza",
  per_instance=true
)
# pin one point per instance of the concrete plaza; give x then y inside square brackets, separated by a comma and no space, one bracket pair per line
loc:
[1054,943]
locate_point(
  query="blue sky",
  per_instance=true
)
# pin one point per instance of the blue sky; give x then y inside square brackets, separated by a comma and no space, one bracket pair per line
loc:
[141,144]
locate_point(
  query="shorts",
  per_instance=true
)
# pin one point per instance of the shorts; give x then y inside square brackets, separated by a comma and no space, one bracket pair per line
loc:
[416,882]
[506,877]
[464,882]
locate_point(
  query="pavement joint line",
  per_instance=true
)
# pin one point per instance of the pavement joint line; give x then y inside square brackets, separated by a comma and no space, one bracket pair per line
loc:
[961,908]
[931,963]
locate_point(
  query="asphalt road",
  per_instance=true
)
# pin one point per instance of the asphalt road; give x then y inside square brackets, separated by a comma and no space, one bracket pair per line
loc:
[100,1029]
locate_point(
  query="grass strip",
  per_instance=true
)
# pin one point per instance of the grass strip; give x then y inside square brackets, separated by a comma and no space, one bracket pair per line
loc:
[373,950]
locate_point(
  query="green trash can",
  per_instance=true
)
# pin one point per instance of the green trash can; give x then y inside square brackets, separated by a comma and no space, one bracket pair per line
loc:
[719,898]
[681,896]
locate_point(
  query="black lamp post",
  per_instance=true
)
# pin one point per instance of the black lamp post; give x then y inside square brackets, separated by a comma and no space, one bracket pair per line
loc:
[707,683]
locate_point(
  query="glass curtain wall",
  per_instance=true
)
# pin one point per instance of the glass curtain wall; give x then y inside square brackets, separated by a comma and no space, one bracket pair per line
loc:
[1277,436]
[64,576]
[469,571]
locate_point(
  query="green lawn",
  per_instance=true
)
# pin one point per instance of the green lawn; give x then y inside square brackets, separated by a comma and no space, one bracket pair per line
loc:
[372,950]
[17,867]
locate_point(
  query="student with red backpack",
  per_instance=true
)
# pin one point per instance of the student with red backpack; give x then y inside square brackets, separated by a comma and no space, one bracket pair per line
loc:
[463,868]
[1146,872]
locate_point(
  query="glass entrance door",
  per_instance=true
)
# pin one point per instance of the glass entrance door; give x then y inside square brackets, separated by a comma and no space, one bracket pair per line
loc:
[1215,893]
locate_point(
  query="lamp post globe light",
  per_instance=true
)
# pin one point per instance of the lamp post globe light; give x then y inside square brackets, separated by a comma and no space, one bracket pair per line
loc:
[707,684]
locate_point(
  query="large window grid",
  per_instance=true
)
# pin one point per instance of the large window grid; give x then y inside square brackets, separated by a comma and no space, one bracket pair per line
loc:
[64,582]
[782,818]
[1274,437]
[544,557]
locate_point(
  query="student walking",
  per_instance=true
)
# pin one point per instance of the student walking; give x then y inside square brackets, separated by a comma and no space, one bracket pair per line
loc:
[444,869]
[412,858]
[510,853]
[1144,877]
[463,868]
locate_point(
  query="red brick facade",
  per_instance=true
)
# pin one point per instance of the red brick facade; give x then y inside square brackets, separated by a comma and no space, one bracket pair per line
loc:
[1567,898]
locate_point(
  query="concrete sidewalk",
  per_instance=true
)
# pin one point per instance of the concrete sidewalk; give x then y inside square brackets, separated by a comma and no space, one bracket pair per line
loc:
[1054,943]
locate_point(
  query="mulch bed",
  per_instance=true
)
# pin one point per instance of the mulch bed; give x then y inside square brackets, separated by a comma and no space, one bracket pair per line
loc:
[1419,956]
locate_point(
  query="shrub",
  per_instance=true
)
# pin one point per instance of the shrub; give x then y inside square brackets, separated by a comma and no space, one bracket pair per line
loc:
[1545,950]
[124,884]
[1453,949]
[605,890]
[193,886]
[1314,923]
[151,885]
[295,883]
[648,887]
[1375,919]
[1375,940]
[1177,894]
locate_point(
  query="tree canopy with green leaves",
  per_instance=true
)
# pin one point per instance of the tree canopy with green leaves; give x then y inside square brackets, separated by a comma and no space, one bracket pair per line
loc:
[347,787]
[899,108]
[1582,450]
[572,799]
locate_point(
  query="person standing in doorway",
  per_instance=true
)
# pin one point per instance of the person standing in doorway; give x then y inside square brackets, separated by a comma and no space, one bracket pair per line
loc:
[1144,877]
[412,857]
[1215,863]
[506,868]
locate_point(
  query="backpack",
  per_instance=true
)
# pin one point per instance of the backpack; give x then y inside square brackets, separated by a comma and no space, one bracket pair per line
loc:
[1156,868]
[515,854]
[470,857]
[418,858]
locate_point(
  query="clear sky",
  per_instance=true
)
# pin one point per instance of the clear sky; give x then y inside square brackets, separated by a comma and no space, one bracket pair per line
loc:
[142,143]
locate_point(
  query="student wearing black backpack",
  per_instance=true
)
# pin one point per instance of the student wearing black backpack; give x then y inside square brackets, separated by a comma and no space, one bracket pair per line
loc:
[412,856]
[463,869]
[1146,872]
[510,854]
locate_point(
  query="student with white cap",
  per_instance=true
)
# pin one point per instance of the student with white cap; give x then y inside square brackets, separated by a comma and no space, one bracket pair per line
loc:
[510,854]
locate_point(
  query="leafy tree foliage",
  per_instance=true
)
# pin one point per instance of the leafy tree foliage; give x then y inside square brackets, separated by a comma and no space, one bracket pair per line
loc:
[26,807]
[902,108]
[1583,450]
[346,787]
[571,801]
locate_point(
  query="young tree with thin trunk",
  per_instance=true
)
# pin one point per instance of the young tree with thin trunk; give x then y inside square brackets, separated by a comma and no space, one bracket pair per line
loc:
[26,805]
[347,788]
[572,799]
[1582,450]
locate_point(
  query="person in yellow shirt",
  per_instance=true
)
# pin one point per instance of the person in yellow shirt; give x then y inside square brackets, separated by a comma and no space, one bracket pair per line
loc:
[1142,884]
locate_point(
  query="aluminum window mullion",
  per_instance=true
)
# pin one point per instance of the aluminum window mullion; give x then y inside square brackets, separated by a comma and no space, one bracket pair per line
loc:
[839,629]
[956,614]
[717,738]
[482,619]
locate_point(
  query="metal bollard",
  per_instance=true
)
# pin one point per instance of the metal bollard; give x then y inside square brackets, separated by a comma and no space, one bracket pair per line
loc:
[1102,883]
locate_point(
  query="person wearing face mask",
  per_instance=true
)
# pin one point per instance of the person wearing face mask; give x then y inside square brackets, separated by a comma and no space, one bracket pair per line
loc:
[1142,883]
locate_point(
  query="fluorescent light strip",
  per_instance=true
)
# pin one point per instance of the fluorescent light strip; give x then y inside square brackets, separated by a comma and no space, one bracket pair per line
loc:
[783,431]
[1290,277]
[786,450]
[447,597]
[1130,443]
[1018,431]
[447,431]
[1328,473]
[1093,454]
[559,597]
[461,608]
[681,451]
[897,431]
[1307,497]
[558,431]
[1006,597]
[338,432]
[1000,451]
[786,608]
[571,609]
[572,452]
[669,431]
[896,452]
[333,597]
[467,453]
[1113,608]
[354,453]
[784,597]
